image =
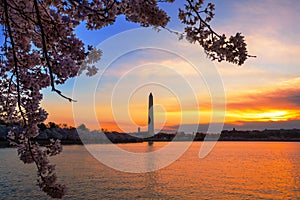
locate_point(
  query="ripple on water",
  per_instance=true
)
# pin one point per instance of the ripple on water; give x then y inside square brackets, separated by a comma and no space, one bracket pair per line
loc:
[233,170]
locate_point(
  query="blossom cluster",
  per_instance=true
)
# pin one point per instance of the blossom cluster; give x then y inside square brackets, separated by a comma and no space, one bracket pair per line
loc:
[217,47]
[30,152]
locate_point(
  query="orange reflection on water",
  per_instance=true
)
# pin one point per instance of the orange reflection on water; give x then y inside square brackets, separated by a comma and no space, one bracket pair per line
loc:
[243,169]
[233,170]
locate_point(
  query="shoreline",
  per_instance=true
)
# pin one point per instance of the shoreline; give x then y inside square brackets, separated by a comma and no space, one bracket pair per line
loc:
[5,143]
[72,136]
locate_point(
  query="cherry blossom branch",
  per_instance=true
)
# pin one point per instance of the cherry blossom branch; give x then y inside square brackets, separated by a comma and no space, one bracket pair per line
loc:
[9,87]
[216,46]
[200,18]
[207,25]
[101,14]
[49,189]
[46,54]
[20,11]
[15,61]
[30,152]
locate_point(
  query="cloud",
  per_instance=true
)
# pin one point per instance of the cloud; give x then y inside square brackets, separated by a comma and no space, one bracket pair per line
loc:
[274,50]
[291,96]
[240,125]
[285,95]
[294,98]
[270,17]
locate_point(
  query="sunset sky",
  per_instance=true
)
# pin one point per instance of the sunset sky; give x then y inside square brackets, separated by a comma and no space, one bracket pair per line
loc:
[263,93]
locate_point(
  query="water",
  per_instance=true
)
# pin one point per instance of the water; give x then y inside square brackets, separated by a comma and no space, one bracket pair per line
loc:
[233,170]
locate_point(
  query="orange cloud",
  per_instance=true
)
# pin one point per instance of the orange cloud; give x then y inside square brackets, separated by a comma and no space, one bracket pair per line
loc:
[280,104]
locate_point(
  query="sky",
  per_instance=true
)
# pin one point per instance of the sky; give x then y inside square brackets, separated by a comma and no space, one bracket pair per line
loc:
[188,88]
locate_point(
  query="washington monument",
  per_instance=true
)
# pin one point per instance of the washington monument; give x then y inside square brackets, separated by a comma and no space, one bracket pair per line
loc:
[150,116]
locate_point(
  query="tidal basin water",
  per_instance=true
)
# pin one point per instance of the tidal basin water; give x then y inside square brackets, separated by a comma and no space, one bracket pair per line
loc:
[233,170]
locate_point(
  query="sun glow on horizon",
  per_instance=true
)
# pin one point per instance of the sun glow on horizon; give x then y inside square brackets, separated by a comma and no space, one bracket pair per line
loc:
[273,116]
[262,116]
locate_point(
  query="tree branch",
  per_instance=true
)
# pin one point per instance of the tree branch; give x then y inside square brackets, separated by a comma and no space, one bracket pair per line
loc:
[201,20]
[15,60]
[43,35]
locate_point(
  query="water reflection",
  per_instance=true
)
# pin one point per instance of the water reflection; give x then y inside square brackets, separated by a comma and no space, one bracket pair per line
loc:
[233,170]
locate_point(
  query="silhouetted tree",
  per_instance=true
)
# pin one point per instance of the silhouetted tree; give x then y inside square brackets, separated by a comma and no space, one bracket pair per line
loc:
[42,126]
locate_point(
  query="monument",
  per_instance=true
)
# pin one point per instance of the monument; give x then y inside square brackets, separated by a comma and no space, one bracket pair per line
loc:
[150,118]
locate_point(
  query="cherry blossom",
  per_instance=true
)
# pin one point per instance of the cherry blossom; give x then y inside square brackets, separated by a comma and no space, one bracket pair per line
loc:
[217,47]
